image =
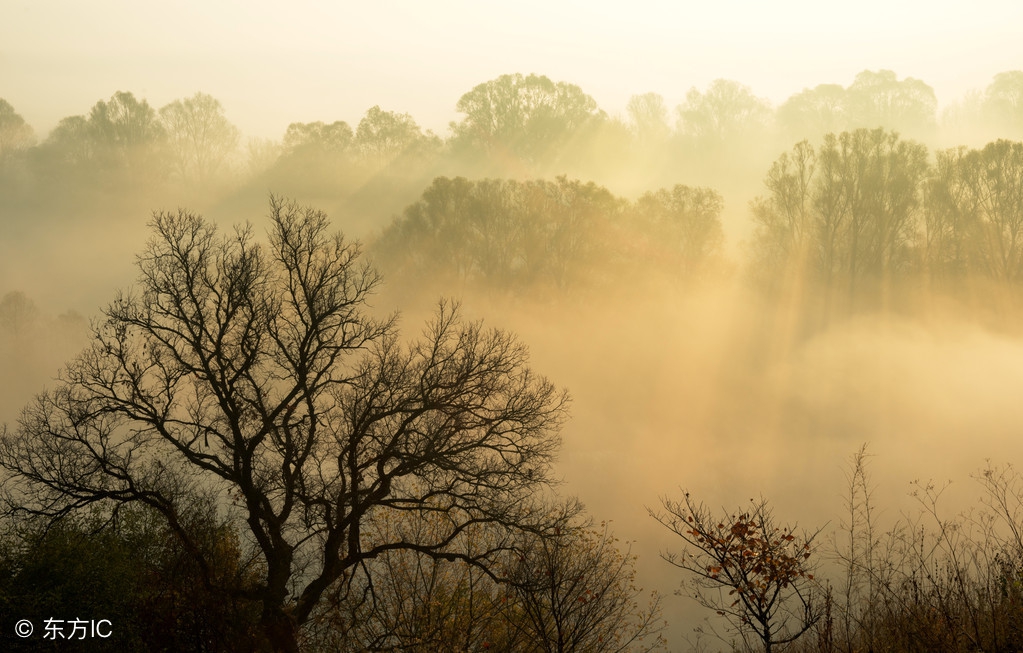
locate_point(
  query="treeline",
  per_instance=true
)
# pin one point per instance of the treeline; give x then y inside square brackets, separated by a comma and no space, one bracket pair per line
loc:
[866,212]
[536,235]
[857,205]
[516,126]
[124,139]
[853,219]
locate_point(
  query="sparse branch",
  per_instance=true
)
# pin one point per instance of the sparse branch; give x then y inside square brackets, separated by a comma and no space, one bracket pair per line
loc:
[757,575]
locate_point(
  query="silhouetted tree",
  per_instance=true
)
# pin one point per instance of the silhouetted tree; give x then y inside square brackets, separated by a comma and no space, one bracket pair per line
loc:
[130,569]
[749,570]
[575,591]
[420,603]
[254,374]
[569,590]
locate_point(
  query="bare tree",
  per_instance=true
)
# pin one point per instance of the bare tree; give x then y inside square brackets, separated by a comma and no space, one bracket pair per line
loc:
[576,591]
[255,373]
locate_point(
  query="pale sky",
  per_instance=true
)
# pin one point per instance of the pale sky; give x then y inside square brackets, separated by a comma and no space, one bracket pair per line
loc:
[271,65]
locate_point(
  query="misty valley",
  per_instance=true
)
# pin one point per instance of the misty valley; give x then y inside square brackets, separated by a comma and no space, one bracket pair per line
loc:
[725,376]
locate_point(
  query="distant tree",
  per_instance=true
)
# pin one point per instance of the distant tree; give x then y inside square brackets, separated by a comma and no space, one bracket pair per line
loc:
[988,115]
[686,222]
[722,134]
[127,135]
[975,212]
[795,222]
[648,115]
[1003,104]
[951,236]
[527,117]
[754,573]
[18,315]
[200,137]
[263,154]
[1001,200]
[383,135]
[503,233]
[120,140]
[125,122]
[570,230]
[727,113]
[961,122]
[304,138]
[32,345]
[815,112]
[879,99]
[875,99]
[254,375]
[317,156]
[15,133]
[71,142]
[458,228]
[645,152]
[848,210]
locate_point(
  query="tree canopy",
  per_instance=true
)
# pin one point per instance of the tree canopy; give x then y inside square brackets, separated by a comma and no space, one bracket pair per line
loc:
[529,117]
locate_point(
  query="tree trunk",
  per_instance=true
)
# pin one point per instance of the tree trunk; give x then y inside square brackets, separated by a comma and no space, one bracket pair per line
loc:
[280,629]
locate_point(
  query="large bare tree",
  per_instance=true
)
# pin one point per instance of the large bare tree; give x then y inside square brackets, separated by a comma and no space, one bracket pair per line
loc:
[254,373]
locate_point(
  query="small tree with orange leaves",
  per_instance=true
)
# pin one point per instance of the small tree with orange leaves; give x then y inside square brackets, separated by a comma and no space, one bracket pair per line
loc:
[753,573]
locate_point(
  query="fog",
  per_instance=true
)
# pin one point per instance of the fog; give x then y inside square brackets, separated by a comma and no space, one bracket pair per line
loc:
[632,227]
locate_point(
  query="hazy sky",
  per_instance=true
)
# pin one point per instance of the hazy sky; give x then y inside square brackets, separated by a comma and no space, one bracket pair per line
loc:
[272,64]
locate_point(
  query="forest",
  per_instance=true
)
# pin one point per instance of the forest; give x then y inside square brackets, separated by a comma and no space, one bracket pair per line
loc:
[555,380]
